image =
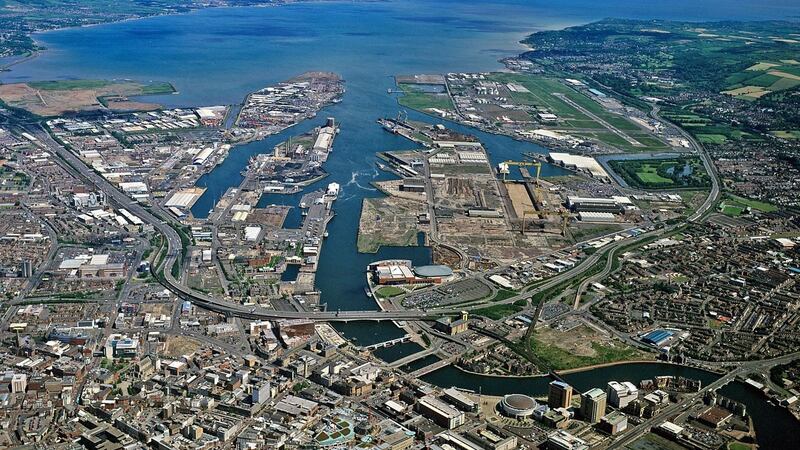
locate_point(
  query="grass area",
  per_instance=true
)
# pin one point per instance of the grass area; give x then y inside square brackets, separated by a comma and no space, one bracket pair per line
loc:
[786,134]
[389,291]
[503,294]
[716,139]
[560,359]
[69,85]
[415,98]
[662,173]
[739,446]
[497,312]
[755,204]
[734,206]
[649,175]
[733,211]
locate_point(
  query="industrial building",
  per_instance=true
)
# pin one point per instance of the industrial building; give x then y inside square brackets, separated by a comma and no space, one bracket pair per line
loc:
[459,399]
[657,337]
[591,216]
[579,163]
[452,327]
[413,185]
[615,205]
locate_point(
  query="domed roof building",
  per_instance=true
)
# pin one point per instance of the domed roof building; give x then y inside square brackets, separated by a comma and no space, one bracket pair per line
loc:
[518,406]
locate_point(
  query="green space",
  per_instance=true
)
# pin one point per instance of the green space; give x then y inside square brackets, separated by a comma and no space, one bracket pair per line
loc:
[786,134]
[679,172]
[11,180]
[550,94]
[739,446]
[389,291]
[734,205]
[416,98]
[497,312]
[762,79]
[503,294]
[69,85]
[560,359]
[711,138]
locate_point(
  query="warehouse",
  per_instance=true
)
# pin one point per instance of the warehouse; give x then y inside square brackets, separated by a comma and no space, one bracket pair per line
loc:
[657,337]
[251,233]
[580,163]
[413,185]
[589,216]
[591,204]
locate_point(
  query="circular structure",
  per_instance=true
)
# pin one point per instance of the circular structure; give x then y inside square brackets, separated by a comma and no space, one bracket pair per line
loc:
[433,271]
[518,406]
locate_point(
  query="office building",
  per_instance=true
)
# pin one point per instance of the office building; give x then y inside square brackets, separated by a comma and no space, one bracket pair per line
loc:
[621,394]
[593,405]
[561,440]
[559,395]
[440,412]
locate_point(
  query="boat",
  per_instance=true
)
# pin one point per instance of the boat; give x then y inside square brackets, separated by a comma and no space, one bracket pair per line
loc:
[325,234]
[368,292]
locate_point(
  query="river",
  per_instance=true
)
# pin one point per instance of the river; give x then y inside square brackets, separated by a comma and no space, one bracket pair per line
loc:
[217,56]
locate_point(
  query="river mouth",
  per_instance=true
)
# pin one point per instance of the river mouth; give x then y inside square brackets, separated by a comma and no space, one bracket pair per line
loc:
[216,56]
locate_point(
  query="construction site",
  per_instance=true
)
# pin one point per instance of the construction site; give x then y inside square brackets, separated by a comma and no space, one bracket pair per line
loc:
[450,191]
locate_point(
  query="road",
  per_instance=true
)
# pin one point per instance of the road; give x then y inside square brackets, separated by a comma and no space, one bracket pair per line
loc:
[662,416]
[713,195]
[174,248]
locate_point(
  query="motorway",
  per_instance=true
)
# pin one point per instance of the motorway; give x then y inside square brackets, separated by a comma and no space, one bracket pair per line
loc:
[174,249]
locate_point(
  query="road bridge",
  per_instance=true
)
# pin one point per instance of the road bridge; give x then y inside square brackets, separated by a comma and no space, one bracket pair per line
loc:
[389,343]
[431,368]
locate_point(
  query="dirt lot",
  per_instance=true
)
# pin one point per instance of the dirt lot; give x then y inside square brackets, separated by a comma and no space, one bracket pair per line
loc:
[519,198]
[180,345]
[388,221]
[53,101]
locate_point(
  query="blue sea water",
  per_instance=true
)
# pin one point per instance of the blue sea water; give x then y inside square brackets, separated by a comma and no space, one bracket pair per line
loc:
[217,56]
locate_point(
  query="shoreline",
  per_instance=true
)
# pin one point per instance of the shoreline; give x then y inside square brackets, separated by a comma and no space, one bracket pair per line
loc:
[583,369]
[42,48]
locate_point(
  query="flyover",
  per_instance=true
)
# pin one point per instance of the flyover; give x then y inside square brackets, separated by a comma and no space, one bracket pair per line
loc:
[174,248]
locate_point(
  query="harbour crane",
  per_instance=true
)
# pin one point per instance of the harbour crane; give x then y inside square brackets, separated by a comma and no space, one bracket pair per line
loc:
[564,215]
[504,168]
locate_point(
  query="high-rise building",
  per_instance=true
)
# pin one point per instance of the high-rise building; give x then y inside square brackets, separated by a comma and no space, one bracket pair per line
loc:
[559,395]
[19,382]
[262,392]
[593,405]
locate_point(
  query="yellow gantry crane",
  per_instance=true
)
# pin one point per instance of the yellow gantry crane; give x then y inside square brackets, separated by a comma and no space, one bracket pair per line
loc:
[504,167]
[561,213]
